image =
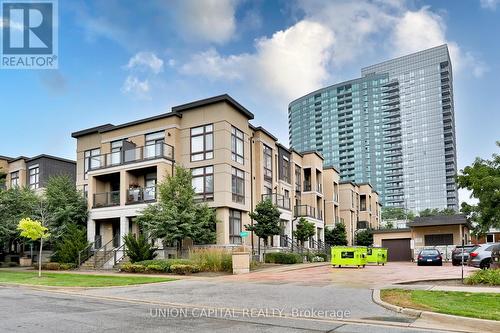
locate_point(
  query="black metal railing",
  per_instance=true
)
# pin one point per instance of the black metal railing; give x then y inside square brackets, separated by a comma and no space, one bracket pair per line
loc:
[278,199]
[106,199]
[105,252]
[141,195]
[138,154]
[305,210]
[86,253]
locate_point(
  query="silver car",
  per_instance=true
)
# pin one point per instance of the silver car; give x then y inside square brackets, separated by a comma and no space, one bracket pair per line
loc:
[481,256]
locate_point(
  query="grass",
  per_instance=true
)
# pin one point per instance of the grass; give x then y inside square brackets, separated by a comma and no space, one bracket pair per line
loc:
[474,305]
[75,280]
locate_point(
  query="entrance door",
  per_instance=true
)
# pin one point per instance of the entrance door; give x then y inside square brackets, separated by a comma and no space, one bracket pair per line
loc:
[397,249]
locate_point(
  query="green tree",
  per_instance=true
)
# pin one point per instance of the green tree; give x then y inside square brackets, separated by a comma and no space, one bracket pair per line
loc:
[336,235]
[65,205]
[364,238]
[15,204]
[205,232]
[304,230]
[394,213]
[3,175]
[34,230]
[138,248]
[69,245]
[482,178]
[436,212]
[267,220]
[177,215]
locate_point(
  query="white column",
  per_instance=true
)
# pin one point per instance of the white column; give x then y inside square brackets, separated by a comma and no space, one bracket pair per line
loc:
[124,225]
[90,230]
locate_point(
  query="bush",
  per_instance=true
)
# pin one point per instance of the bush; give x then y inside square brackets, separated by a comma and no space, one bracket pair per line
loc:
[487,276]
[55,266]
[12,264]
[183,269]
[73,240]
[316,257]
[283,258]
[212,260]
[67,266]
[155,268]
[133,268]
[163,264]
[138,249]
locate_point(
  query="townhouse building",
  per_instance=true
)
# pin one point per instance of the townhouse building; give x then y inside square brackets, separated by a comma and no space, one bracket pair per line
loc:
[234,164]
[34,172]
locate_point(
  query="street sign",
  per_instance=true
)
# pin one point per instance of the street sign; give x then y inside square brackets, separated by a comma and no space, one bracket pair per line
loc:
[244,234]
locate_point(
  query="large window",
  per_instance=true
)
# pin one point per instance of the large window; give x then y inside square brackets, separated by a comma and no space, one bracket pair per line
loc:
[285,169]
[154,144]
[268,164]
[202,143]
[116,152]
[298,178]
[203,183]
[92,160]
[237,145]
[238,185]
[34,173]
[14,179]
[439,239]
[234,226]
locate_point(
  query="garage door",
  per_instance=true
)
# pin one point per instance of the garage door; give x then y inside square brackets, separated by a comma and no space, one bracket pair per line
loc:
[398,249]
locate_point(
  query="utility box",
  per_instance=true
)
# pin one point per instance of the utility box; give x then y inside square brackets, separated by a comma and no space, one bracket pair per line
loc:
[349,256]
[376,255]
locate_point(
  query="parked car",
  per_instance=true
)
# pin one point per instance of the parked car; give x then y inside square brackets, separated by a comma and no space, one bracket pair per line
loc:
[481,256]
[495,257]
[456,254]
[429,257]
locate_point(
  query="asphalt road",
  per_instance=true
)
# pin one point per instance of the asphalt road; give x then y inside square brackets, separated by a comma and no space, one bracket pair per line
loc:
[196,306]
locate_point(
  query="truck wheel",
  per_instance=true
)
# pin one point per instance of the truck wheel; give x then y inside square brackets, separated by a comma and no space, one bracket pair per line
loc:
[485,264]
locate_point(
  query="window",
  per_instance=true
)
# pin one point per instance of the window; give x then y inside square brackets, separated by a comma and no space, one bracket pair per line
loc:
[202,143]
[489,238]
[14,179]
[298,178]
[238,185]
[268,164]
[154,144]
[203,183]
[234,226]
[34,173]
[268,190]
[92,160]
[237,145]
[86,191]
[439,239]
[116,152]
[285,169]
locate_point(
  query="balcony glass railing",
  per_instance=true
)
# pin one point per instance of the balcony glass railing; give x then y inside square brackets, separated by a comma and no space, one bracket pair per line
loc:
[138,154]
[278,199]
[141,195]
[308,211]
[106,199]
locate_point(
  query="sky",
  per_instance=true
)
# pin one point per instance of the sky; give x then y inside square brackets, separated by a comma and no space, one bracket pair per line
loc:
[124,60]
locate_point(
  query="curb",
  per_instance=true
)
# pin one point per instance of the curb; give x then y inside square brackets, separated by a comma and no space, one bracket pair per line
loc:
[439,320]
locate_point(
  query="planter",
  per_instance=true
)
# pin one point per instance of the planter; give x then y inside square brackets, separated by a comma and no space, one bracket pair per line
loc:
[25,262]
[241,262]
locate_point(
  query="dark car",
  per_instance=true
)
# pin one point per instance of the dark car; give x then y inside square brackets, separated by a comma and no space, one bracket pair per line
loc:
[456,254]
[495,257]
[429,257]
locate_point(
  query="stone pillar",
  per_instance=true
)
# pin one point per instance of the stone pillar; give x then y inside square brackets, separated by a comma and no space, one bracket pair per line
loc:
[90,230]
[124,226]
[124,184]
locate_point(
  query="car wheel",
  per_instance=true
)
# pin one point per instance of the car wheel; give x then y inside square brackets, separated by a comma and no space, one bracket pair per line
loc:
[485,264]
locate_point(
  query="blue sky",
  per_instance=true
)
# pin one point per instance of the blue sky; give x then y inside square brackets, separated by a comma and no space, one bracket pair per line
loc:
[125,60]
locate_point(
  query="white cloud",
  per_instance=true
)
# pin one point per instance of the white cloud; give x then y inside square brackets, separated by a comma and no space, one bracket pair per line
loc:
[137,88]
[145,61]
[207,20]
[489,4]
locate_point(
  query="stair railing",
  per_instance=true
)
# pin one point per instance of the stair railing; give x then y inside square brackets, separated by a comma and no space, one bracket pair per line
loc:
[85,253]
[107,250]
[116,254]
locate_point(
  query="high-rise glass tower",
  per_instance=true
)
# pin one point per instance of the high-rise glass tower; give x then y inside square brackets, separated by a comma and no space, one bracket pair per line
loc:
[394,127]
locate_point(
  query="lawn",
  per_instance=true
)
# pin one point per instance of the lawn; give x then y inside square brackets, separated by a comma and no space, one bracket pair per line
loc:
[475,305]
[75,280]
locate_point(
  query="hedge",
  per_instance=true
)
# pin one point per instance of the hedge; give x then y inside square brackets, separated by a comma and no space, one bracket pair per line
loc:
[283,258]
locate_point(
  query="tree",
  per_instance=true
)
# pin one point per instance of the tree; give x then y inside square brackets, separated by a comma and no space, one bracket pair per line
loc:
[3,175]
[394,213]
[69,245]
[65,205]
[34,230]
[304,230]
[337,235]
[389,225]
[482,178]
[206,227]
[15,204]
[177,215]
[138,249]
[267,220]
[436,212]
[364,238]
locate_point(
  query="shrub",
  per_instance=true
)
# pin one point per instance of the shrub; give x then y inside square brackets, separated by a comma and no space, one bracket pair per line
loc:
[72,241]
[487,276]
[155,268]
[138,249]
[283,258]
[67,266]
[133,268]
[163,264]
[317,257]
[183,269]
[212,260]
[13,264]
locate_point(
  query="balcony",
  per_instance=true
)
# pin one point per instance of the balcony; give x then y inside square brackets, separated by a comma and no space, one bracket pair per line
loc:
[127,156]
[141,195]
[278,199]
[106,199]
[308,211]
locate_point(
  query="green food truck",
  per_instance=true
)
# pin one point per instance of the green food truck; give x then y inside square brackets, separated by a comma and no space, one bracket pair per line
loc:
[376,255]
[349,256]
